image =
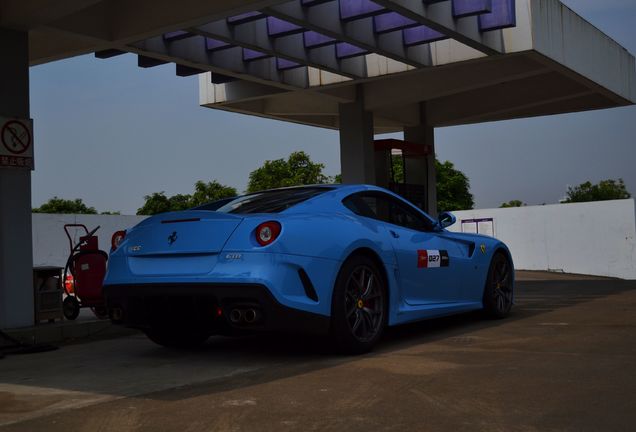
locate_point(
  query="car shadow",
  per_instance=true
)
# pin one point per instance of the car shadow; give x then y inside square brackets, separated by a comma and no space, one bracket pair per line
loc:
[134,367]
[532,298]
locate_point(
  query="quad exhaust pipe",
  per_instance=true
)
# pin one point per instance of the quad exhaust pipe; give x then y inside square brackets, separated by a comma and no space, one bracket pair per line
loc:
[251,316]
[247,316]
[236,316]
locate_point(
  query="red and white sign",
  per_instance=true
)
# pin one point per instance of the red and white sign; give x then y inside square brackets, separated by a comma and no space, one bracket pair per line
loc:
[428,258]
[16,143]
[432,258]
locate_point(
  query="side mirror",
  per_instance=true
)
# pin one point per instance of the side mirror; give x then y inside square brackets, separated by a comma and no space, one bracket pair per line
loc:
[445,219]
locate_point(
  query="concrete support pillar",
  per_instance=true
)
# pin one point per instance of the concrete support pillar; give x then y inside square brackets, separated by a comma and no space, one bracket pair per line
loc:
[422,171]
[382,169]
[357,158]
[16,256]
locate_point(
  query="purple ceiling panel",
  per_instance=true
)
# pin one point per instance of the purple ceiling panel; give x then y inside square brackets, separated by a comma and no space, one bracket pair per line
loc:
[503,15]
[316,40]
[177,35]
[421,35]
[346,50]
[391,21]
[214,44]
[250,55]
[284,64]
[463,8]
[356,9]
[277,27]
[245,17]
[433,1]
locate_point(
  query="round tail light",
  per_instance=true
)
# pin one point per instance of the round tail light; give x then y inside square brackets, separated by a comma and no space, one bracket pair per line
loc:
[116,240]
[267,232]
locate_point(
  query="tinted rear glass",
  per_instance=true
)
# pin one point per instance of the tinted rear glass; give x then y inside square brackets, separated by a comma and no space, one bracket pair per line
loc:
[215,205]
[274,201]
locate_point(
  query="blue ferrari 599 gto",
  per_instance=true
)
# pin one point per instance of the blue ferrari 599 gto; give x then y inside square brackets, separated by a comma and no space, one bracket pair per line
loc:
[343,260]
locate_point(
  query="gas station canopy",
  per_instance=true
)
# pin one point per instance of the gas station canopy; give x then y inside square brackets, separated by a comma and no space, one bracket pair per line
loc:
[470,60]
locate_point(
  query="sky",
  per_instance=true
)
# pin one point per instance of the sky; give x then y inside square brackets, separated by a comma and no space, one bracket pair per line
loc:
[110,133]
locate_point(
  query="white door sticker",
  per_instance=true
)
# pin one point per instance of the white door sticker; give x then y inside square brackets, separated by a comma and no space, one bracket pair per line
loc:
[434,258]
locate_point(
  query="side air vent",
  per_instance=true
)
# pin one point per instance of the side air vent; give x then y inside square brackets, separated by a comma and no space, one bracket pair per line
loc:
[310,291]
[471,249]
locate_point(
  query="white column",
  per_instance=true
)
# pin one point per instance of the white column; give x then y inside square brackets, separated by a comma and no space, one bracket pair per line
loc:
[422,171]
[16,256]
[357,158]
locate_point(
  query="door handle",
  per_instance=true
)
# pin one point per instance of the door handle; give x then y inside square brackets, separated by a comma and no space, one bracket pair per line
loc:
[394,234]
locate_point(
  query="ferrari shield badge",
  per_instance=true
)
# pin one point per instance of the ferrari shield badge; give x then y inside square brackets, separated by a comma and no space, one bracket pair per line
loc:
[482,248]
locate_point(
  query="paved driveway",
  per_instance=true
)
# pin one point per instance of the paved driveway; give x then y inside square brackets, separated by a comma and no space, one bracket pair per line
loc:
[565,360]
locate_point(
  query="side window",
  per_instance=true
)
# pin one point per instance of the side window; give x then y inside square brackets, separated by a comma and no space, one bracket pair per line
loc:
[406,217]
[386,208]
[367,206]
[381,207]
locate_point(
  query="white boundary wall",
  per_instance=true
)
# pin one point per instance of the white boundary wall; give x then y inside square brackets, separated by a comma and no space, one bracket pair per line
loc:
[50,244]
[596,238]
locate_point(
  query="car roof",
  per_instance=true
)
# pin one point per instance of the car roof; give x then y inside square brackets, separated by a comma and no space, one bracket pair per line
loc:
[326,186]
[341,191]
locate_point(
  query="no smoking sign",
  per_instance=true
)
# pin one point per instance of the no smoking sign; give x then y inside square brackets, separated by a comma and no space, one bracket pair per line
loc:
[16,143]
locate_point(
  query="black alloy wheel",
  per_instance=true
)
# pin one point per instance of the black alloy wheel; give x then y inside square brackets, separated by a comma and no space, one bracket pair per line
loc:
[359,307]
[498,292]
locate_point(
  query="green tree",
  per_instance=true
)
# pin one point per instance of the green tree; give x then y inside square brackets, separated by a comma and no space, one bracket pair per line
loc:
[298,169]
[512,203]
[155,203]
[180,202]
[64,206]
[603,191]
[398,168]
[453,188]
[209,192]
[159,202]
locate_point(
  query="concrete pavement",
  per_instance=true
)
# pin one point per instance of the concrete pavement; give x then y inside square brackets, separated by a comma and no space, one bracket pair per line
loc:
[565,360]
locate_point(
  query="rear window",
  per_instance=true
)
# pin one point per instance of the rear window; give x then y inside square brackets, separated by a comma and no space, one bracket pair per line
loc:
[274,201]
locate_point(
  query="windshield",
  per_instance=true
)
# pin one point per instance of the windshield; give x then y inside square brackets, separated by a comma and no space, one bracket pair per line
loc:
[273,201]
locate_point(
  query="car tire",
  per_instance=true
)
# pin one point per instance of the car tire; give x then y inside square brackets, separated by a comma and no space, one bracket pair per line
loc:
[359,306]
[71,308]
[177,337]
[498,292]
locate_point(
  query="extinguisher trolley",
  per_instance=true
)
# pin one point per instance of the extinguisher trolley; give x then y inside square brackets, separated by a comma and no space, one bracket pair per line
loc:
[87,266]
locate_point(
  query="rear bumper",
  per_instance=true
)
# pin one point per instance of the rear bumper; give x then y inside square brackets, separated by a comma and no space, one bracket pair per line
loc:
[279,273]
[144,305]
